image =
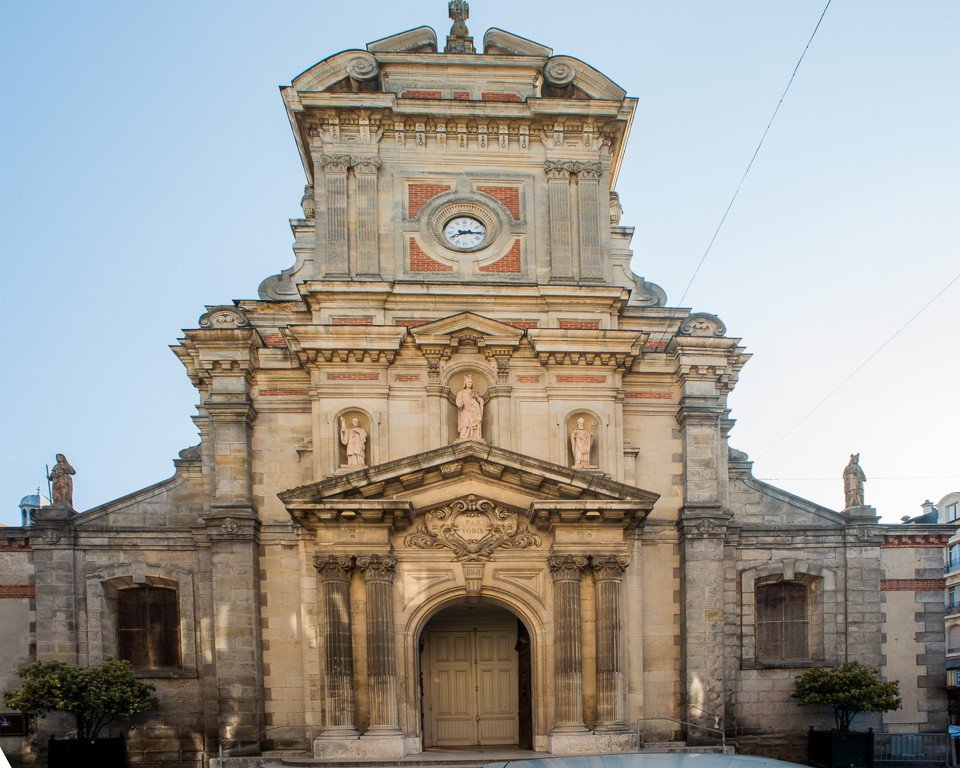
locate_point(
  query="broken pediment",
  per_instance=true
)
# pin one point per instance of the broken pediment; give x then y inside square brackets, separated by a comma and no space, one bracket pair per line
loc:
[398,492]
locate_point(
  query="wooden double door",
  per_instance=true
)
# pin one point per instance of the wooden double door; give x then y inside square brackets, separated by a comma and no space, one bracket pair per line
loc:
[470,681]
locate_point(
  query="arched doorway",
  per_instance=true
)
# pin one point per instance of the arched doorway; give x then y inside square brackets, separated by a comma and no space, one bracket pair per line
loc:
[476,678]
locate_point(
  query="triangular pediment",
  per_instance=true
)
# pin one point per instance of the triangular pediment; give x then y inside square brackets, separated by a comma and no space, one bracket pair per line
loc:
[467,326]
[399,489]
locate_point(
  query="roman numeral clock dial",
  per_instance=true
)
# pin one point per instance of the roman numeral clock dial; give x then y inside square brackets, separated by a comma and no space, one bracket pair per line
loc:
[464,233]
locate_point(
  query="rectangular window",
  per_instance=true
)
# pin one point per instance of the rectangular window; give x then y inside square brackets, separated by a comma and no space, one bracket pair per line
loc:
[148,627]
[953,596]
[783,621]
[951,512]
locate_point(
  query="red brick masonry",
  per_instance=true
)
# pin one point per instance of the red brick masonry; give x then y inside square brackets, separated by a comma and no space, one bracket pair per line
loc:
[576,325]
[17,590]
[353,377]
[274,341]
[912,585]
[408,377]
[410,323]
[582,379]
[528,379]
[509,263]
[420,262]
[418,194]
[509,196]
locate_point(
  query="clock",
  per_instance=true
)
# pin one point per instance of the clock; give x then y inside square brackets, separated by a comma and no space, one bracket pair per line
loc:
[464,233]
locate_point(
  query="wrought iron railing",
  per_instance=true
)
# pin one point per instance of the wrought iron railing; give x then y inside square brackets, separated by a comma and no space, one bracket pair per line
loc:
[723,735]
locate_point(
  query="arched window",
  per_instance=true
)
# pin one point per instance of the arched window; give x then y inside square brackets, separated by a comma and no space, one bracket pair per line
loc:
[783,621]
[148,627]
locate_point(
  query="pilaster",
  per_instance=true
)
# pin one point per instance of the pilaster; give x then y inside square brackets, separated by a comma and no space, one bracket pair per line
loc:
[588,198]
[558,192]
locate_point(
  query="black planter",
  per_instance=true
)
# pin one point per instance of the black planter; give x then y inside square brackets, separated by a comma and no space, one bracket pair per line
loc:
[833,749]
[87,753]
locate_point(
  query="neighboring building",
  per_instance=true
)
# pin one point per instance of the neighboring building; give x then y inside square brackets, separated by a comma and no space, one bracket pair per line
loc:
[463,478]
[948,513]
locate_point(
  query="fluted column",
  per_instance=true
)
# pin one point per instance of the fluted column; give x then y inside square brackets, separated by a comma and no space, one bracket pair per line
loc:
[338,646]
[558,194]
[588,183]
[368,252]
[378,572]
[335,200]
[608,573]
[568,654]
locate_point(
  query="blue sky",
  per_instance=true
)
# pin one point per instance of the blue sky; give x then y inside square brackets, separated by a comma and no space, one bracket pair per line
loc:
[148,169]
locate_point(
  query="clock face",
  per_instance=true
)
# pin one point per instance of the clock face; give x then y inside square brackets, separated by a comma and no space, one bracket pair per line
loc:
[464,233]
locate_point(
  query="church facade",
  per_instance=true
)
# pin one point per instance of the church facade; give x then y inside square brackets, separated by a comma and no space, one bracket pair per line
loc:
[463,478]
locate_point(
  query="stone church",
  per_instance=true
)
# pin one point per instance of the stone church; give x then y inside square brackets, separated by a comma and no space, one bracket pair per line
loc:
[463,478]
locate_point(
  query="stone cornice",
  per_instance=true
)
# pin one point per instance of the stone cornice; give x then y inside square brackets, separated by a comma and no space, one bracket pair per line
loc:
[604,347]
[318,344]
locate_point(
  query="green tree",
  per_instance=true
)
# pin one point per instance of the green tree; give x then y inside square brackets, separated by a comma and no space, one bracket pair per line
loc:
[95,696]
[850,689]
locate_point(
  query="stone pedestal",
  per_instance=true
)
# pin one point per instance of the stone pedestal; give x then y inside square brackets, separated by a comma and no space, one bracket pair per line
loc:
[591,743]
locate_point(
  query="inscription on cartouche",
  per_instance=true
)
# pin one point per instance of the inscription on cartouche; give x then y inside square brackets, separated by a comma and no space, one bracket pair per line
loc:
[472,529]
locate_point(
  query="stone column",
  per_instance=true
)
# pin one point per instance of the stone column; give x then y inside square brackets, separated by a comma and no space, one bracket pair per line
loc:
[368,253]
[588,189]
[558,186]
[338,707]
[336,261]
[378,572]
[608,572]
[568,655]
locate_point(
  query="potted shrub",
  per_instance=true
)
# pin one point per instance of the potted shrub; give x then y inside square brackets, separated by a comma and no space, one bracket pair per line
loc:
[850,689]
[94,696]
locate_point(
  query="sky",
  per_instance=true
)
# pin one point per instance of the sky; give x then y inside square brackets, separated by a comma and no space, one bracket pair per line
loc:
[147,169]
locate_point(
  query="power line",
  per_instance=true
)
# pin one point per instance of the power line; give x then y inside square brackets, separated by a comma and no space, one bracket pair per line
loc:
[755,153]
[859,367]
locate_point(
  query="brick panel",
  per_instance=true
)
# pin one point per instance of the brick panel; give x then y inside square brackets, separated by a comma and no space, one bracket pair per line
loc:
[655,346]
[421,95]
[578,325]
[420,262]
[500,96]
[913,585]
[582,379]
[418,194]
[17,590]
[509,263]
[523,324]
[528,379]
[351,320]
[21,543]
[353,377]
[407,377]
[461,95]
[509,196]
[410,323]
[274,341]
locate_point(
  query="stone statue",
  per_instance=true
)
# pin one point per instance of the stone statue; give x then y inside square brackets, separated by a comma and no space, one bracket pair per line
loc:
[582,442]
[853,480]
[470,405]
[354,438]
[61,490]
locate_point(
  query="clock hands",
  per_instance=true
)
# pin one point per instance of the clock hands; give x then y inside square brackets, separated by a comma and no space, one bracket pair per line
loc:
[468,232]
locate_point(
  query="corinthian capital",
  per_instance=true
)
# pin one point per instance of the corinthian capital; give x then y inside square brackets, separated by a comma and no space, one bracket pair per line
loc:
[567,567]
[377,567]
[333,567]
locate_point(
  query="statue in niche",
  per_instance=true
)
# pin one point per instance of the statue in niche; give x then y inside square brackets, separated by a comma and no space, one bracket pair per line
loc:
[582,443]
[853,480]
[354,438]
[470,405]
[61,490]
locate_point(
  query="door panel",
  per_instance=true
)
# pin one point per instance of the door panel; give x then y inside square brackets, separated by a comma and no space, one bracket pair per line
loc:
[470,687]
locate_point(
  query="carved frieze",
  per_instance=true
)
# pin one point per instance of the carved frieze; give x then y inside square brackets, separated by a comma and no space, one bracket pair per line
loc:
[472,529]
